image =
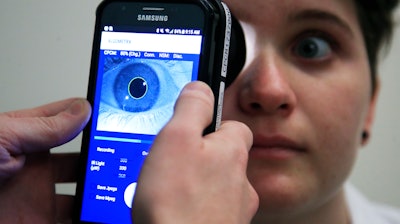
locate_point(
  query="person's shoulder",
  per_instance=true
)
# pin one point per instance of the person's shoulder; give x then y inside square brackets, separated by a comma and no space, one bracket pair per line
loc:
[364,211]
[388,213]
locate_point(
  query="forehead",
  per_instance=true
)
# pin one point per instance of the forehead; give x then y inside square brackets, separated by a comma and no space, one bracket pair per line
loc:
[275,12]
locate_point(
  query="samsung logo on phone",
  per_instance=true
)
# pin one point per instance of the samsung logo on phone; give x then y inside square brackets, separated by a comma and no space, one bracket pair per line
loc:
[153,18]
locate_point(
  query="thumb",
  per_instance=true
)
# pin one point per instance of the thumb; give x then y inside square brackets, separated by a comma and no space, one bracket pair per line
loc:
[194,108]
[39,129]
[44,127]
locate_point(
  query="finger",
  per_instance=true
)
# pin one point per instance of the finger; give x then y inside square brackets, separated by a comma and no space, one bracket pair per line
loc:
[253,204]
[65,167]
[10,165]
[234,131]
[194,108]
[47,110]
[236,139]
[32,134]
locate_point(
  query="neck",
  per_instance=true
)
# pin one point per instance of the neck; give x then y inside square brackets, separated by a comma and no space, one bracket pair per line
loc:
[335,211]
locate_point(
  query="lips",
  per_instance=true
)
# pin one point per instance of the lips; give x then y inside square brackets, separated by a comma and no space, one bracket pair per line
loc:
[278,147]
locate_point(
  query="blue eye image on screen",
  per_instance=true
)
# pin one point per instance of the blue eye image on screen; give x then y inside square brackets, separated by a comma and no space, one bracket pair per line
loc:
[137,87]
[138,95]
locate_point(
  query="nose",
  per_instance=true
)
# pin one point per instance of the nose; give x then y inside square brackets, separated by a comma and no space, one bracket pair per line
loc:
[266,88]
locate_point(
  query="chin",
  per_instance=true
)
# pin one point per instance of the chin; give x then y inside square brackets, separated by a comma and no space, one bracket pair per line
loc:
[283,192]
[281,197]
[290,196]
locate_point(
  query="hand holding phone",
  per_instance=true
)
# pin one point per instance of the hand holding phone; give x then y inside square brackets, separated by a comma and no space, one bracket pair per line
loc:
[192,179]
[144,53]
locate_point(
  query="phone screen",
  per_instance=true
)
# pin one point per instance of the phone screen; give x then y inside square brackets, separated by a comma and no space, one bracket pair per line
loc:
[141,71]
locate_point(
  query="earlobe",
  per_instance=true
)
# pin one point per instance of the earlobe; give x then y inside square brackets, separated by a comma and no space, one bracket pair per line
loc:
[370,114]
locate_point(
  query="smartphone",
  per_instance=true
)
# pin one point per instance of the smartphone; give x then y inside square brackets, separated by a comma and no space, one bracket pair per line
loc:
[144,52]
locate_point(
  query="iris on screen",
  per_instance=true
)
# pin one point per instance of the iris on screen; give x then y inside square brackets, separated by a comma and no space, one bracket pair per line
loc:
[138,95]
[137,87]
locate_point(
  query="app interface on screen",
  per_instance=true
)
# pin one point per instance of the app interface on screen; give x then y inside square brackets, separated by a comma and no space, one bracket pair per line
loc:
[140,76]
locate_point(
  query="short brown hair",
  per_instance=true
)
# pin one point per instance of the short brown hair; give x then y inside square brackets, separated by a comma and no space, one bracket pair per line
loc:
[376,22]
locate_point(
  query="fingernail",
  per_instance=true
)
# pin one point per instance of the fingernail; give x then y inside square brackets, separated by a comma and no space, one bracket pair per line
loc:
[76,107]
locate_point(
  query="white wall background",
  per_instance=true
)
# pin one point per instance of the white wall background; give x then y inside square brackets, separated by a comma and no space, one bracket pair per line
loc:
[45,48]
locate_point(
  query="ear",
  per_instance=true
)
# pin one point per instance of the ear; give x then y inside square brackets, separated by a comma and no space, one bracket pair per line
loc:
[369,119]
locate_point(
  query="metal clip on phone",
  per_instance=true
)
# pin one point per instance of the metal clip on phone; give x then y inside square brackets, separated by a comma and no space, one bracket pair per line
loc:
[237,48]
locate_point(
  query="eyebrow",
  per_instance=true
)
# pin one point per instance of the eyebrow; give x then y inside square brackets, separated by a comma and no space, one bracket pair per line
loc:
[316,14]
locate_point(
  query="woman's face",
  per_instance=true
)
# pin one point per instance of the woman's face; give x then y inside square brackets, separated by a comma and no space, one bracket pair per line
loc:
[305,92]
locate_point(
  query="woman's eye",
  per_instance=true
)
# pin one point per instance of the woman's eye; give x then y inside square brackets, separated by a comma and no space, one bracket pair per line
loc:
[138,95]
[312,48]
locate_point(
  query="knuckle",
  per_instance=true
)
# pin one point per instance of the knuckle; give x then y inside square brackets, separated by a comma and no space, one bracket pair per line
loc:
[175,133]
[51,129]
[9,140]
[9,166]
[238,141]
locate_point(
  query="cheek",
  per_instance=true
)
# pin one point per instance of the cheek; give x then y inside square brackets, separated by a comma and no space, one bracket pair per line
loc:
[340,111]
[337,113]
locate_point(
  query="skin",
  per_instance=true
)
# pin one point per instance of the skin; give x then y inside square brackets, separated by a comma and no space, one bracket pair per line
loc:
[282,94]
[291,133]
[193,170]
[28,171]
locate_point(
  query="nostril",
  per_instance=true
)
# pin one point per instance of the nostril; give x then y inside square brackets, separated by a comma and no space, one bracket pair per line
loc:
[258,106]
[255,106]
[284,106]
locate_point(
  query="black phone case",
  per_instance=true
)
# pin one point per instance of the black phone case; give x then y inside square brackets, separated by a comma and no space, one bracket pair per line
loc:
[213,68]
